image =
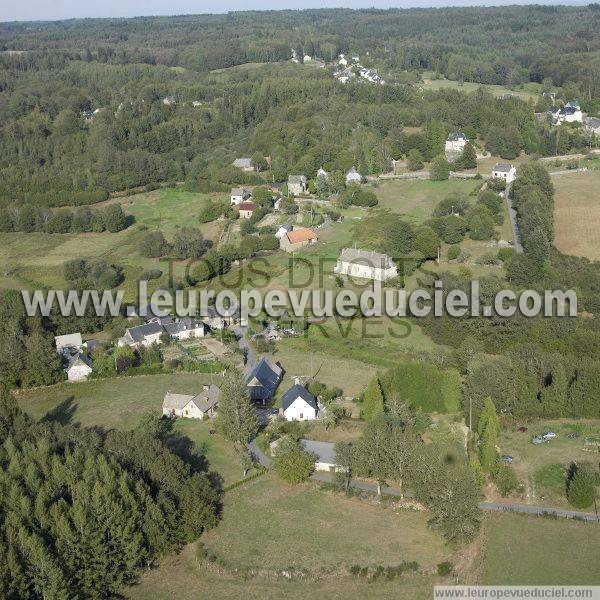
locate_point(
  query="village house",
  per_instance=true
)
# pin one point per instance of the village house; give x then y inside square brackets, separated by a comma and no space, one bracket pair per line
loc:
[297,239]
[504,171]
[353,176]
[283,230]
[262,380]
[246,209]
[343,61]
[298,404]
[142,335]
[297,184]
[323,173]
[325,459]
[365,264]
[245,164]
[239,195]
[456,142]
[592,125]
[69,343]
[569,113]
[79,367]
[199,406]
[277,203]
[186,328]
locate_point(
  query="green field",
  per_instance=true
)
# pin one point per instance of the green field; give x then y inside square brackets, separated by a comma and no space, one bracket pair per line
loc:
[525,92]
[523,550]
[35,260]
[271,526]
[120,402]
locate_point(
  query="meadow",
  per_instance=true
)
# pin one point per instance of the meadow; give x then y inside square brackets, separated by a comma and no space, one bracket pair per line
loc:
[525,92]
[120,403]
[576,214]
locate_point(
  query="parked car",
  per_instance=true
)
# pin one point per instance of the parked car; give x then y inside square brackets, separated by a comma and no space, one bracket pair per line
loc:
[522,429]
[537,439]
[549,435]
[507,458]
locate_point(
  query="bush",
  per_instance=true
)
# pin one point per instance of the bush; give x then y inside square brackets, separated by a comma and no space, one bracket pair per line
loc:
[293,464]
[150,274]
[505,479]
[581,486]
[445,568]
[453,252]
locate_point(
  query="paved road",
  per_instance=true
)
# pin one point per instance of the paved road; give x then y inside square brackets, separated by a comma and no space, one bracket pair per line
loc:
[249,355]
[512,214]
[259,455]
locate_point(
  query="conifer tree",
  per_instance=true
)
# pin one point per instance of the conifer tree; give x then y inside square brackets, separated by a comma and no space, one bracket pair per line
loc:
[236,418]
[372,399]
[581,487]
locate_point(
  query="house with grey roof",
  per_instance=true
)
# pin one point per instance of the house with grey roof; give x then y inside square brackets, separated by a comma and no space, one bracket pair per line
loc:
[79,367]
[142,335]
[262,380]
[284,229]
[504,171]
[298,404]
[365,265]
[245,164]
[186,328]
[297,184]
[190,406]
[239,195]
[592,125]
[68,343]
[456,142]
[353,176]
[325,455]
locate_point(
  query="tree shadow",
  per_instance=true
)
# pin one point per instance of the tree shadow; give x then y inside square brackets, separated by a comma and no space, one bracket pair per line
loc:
[62,413]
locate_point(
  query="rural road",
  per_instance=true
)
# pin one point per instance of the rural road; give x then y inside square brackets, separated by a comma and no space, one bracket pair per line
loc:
[267,462]
[249,355]
[512,213]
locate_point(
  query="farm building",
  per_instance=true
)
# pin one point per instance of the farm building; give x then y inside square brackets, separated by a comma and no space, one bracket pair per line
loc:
[297,239]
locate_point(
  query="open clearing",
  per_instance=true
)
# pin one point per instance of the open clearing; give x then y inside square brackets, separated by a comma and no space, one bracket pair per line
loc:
[577,214]
[527,92]
[120,402]
[270,525]
[523,550]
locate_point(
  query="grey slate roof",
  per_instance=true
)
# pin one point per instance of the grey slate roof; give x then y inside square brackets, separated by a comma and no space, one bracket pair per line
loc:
[455,136]
[502,167]
[79,359]
[268,375]
[141,331]
[298,391]
[324,450]
[205,400]
[242,163]
[70,340]
[365,257]
[297,179]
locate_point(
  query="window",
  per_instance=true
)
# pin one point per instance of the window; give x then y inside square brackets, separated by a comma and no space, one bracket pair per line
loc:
[301,416]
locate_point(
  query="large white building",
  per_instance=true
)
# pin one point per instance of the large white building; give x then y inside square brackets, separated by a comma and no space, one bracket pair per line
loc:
[569,113]
[365,264]
[456,142]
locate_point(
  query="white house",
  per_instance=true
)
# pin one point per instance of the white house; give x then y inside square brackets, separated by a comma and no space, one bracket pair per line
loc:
[297,184]
[365,264]
[239,195]
[192,407]
[246,209]
[69,343]
[245,164]
[353,176]
[504,171]
[323,173]
[78,367]
[307,58]
[298,404]
[283,230]
[343,61]
[277,204]
[456,142]
[325,455]
[569,113]
[186,328]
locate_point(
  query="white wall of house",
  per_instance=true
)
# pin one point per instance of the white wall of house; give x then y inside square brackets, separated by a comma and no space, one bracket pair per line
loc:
[236,198]
[78,372]
[189,411]
[151,339]
[455,145]
[364,271]
[300,410]
[246,214]
[509,176]
[187,334]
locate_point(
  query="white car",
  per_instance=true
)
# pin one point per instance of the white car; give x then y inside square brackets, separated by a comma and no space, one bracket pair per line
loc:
[549,435]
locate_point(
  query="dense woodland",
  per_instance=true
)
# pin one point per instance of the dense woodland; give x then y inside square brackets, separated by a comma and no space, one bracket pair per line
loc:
[51,73]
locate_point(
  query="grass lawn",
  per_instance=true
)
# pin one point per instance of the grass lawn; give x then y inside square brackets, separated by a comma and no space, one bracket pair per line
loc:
[576,214]
[525,92]
[36,260]
[120,402]
[542,468]
[269,525]
[524,550]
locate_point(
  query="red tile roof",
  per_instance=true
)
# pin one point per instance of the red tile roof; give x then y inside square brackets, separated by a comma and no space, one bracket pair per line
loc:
[301,235]
[247,206]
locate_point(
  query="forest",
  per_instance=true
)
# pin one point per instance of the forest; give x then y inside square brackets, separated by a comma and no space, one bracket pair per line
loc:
[90,108]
